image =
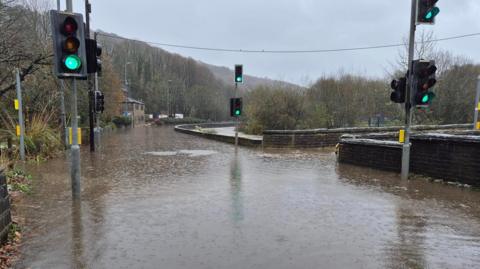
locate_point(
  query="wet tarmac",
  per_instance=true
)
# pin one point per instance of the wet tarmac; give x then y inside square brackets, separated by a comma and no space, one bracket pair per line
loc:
[153,198]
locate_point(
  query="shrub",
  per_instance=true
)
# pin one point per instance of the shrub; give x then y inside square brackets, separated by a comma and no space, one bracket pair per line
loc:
[120,121]
[42,141]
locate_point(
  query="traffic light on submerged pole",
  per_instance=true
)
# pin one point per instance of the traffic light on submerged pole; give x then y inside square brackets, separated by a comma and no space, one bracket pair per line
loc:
[423,80]
[238,73]
[68,36]
[236,106]
[399,89]
[99,102]
[427,11]
[94,53]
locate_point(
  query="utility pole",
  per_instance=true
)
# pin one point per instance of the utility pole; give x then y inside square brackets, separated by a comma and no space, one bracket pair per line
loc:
[476,123]
[126,89]
[91,94]
[75,149]
[168,98]
[95,90]
[408,99]
[63,114]
[20,116]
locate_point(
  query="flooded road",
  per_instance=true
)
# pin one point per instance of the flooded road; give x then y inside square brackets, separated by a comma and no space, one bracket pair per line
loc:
[153,198]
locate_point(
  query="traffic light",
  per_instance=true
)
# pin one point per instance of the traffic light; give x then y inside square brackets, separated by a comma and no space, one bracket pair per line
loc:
[94,51]
[236,106]
[238,73]
[423,80]
[399,89]
[99,102]
[426,11]
[68,36]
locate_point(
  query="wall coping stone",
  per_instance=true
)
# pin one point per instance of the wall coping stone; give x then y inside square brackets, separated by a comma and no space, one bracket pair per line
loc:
[206,125]
[448,137]
[371,142]
[367,129]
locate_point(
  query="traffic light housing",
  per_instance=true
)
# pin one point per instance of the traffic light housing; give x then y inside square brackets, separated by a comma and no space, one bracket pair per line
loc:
[99,102]
[427,11]
[399,90]
[424,79]
[236,106]
[94,52]
[68,35]
[238,73]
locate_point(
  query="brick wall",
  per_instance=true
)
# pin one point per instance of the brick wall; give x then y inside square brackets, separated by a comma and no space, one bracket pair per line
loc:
[371,153]
[441,156]
[242,141]
[454,158]
[330,137]
[5,216]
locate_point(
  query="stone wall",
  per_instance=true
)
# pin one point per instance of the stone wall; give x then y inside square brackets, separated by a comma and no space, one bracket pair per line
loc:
[5,216]
[442,156]
[330,137]
[383,155]
[449,157]
[242,141]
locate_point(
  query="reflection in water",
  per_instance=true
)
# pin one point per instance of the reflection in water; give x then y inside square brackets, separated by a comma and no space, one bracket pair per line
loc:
[77,235]
[408,249]
[236,188]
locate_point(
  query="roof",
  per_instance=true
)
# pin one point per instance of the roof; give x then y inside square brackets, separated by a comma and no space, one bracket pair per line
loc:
[131,100]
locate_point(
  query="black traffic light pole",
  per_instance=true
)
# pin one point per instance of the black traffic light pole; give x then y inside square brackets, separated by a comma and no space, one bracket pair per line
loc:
[236,120]
[95,90]
[91,113]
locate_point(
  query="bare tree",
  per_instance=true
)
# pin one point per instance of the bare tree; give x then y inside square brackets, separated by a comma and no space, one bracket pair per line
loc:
[19,47]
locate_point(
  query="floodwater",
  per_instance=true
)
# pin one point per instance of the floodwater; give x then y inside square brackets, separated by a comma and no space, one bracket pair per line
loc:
[153,198]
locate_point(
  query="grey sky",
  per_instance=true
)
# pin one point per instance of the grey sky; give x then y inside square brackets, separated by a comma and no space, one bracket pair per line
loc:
[286,24]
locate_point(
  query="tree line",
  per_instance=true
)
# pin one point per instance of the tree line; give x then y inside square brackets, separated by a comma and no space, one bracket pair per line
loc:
[346,100]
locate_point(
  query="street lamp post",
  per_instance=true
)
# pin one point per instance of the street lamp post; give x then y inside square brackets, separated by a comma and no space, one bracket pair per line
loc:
[127,92]
[169,108]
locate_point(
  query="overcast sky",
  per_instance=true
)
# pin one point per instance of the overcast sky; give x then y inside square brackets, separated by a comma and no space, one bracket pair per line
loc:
[286,25]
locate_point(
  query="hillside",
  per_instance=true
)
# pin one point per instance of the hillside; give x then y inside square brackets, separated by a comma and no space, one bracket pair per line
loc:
[225,75]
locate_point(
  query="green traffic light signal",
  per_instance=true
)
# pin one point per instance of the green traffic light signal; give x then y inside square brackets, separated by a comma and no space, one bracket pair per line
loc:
[238,73]
[73,62]
[432,13]
[425,99]
[237,112]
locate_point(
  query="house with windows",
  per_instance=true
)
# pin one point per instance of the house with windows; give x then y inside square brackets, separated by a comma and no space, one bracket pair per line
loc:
[135,110]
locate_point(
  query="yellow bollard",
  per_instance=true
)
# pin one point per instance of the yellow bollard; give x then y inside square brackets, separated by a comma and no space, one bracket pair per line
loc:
[401,136]
[79,136]
[478,125]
